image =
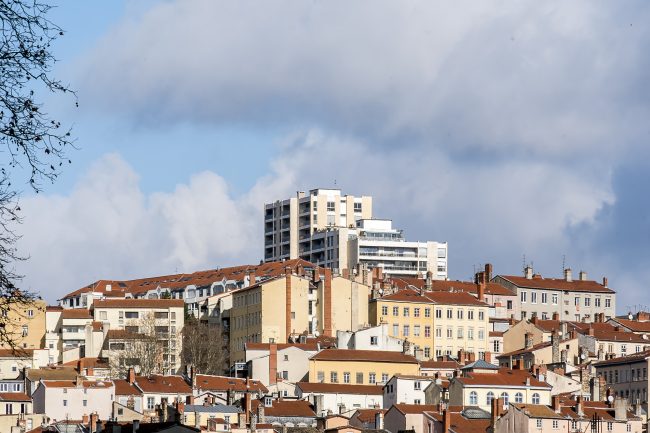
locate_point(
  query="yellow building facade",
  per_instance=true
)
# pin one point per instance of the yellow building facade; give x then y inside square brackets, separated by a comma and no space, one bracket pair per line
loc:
[24,324]
[437,323]
[359,367]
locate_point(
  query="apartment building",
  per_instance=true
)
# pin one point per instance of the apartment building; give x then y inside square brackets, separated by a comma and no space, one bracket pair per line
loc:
[162,318]
[360,367]
[271,362]
[24,324]
[572,299]
[339,398]
[436,322]
[626,376]
[72,399]
[309,301]
[290,224]
[406,389]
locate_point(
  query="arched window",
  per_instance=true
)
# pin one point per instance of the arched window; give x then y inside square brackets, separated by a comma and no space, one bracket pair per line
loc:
[473,398]
[490,397]
[535,398]
[519,398]
[505,397]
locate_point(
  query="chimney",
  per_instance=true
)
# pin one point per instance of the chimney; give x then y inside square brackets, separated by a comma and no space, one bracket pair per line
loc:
[428,286]
[260,414]
[579,407]
[287,301]
[534,320]
[563,355]
[488,272]
[620,409]
[251,277]
[590,331]
[582,276]
[604,281]
[481,291]
[164,409]
[556,316]
[273,363]
[136,425]
[555,350]
[131,376]
[379,420]
[85,419]
[446,421]
[494,411]
[555,401]
[488,357]
[327,304]
[528,272]
[528,340]
[93,422]
[567,275]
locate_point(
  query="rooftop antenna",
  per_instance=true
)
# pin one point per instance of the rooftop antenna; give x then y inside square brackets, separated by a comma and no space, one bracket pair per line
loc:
[524,262]
[563,262]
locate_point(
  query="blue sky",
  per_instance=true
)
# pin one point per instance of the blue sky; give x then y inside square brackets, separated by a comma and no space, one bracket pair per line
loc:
[504,128]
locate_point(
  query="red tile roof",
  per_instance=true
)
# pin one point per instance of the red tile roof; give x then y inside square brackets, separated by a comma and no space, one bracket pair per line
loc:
[363,355]
[368,415]
[448,285]
[337,388]
[308,347]
[75,313]
[633,325]
[636,357]
[88,363]
[444,298]
[72,384]
[14,396]
[122,387]
[557,284]
[449,365]
[459,424]
[223,383]
[407,409]
[505,377]
[287,408]
[158,384]
[139,303]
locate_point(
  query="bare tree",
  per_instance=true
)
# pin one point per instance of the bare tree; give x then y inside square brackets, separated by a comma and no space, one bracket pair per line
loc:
[205,347]
[35,143]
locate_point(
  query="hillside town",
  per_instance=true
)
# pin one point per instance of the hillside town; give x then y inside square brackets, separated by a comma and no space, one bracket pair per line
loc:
[344,326]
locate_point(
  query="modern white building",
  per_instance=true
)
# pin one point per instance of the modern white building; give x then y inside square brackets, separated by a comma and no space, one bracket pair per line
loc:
[339,232]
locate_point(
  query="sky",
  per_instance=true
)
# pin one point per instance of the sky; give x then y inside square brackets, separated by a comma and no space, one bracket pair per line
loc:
[516,131]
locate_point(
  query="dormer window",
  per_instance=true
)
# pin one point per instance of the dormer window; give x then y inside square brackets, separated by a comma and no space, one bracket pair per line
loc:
[268,401]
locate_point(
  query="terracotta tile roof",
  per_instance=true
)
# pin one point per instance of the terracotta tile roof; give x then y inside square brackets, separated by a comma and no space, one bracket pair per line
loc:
[633,325]
[444,298]
[76,313]
[88,363]
[460,424]
[537,410]
[14,396]
[287,408]
[505,377]
[407,409]
[139,303]
[439,364]
[53,308]
[72,384]
[625,359]
[363,355]
[224,383]
[534,348]
[339,388]
[308,347]
[51,373]
[157,384]
[447,285]
[368,415]
[121,334]
[495,334]
[557,284]
[122,387]
[609,332]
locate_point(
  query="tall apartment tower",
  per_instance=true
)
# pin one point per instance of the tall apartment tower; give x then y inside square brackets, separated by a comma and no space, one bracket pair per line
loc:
[338,232]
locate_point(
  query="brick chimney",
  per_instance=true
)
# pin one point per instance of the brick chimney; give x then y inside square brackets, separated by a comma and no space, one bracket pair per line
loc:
[287,306]
[488,272]
[273,363]
[579,409]
[604,281]
[556,316]
[131,376]
[494,411]
[481,290]
[555,402]
[93,422]
[488,357]
[327,304]
[251,277]
[446,421]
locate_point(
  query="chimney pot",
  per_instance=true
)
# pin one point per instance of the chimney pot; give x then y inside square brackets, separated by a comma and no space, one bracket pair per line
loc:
[568,275]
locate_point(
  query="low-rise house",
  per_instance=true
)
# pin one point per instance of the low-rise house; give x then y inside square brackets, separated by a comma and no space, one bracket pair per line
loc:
[406,389]
[24,325]
[456,419]
[626,376]
[289,413]
[481,382]
[271,362]
[371,338]
[16,409]
[72,399]
[360,367]
[128,403]
[34,376]
[443,367]
[402,417]
[13,361]
[202,416]
[332,421]
[159,392]
[368,419]
[339,398]
[569,416]
[549,352]
[224,390]
[638,323]
[91,368]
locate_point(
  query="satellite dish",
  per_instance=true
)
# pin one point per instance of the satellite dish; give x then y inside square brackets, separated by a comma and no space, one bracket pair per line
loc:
[583,356]
[316,334]
[610,399]
[630,316]
[381,292]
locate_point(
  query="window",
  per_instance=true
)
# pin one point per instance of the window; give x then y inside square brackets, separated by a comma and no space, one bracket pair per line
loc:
[509,305]
[406,330]
[533,297]
[438,332]
[544,298]
[556,424]
[574,425]
[438,313]
[30,313]
[85,402]
[320,376]
[25,330]
[523,297]
[406,311]
[450,314]
[610,426]
[470,314]
[357,207]
[427,312]
[576,301]
[535,398]
[628,427]
[395,311]
[65,402]
[384,310]
[359,378]
[554,298]
[416,330]
[597,301]
[331,206]
[450,332]
[442,253]
[505,397]
[519,398]
[459,333]
[395,330]
[334,377]
[538,423]
[427,352]
[417,385]
[470,333]
[131,314]
[481,315]
[372,378]
[416,312]
[473,398]
[346,377]
[490,397]
[459,314]
[427,331]
[608,302]
[496,348]
[374,340]
[384,377]
[587,302]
